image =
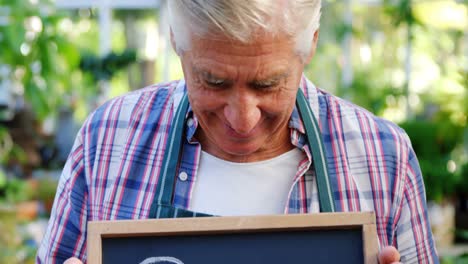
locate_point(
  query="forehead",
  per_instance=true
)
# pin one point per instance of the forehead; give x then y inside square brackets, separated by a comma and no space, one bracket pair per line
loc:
[264,54]
[260,45]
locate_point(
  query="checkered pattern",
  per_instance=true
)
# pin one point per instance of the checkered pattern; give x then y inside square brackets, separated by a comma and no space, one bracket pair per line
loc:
[113,169]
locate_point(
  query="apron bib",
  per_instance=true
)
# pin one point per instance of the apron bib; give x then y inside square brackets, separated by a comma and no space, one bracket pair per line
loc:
[162,203]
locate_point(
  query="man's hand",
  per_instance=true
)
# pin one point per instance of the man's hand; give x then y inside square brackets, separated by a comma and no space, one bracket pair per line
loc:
[388,255]
[73,261]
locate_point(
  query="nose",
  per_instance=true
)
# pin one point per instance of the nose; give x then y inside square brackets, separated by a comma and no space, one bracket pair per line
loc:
[242,111]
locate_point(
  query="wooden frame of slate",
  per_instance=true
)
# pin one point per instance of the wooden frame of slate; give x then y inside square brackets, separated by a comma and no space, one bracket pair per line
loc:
[305,238]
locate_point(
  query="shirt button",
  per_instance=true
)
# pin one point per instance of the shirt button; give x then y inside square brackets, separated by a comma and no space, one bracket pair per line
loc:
[190,122]
[183,176]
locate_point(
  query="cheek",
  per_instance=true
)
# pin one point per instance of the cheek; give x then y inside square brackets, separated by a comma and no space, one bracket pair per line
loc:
[283,101]
[279,112]
[203,100]
[281,107]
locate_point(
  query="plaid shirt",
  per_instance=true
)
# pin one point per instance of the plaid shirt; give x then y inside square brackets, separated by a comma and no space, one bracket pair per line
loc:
[112,170]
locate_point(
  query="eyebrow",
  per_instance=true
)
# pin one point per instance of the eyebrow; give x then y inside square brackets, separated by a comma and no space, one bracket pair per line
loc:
[210,75]
[276,77]
[270,79]
[206,74]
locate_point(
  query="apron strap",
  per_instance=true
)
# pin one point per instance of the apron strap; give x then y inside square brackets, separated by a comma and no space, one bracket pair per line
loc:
[166,179]
[162,201]
[169,211]
[318,153]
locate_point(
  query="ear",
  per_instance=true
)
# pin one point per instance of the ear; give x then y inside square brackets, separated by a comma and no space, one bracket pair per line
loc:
[313,47]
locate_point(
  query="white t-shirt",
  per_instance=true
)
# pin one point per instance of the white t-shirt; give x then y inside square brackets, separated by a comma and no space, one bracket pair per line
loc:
[258,188]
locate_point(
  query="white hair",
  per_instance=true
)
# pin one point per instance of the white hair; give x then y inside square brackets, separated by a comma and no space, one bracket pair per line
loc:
[241,19]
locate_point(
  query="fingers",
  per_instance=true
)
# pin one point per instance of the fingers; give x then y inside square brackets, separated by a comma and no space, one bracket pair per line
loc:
[73,261]
[389,255]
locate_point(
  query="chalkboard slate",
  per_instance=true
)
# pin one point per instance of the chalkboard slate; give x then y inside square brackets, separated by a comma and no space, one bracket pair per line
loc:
[320,238]
[329,246]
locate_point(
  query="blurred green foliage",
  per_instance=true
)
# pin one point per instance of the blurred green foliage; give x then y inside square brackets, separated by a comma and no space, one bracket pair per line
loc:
[462,259]
[437,92]
[14,190]
[463,185]
[434,143]
[105,68]
[41,59]
[401,12]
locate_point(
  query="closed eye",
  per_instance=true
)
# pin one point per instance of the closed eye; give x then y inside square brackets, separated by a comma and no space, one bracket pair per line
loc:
[267,84]
[214,81]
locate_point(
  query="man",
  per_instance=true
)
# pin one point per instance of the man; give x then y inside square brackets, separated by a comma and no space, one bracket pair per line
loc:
[256,137]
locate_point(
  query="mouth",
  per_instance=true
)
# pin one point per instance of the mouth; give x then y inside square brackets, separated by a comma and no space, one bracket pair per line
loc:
[230,132]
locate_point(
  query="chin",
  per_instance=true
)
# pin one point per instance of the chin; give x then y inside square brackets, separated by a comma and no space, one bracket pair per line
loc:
[240,150]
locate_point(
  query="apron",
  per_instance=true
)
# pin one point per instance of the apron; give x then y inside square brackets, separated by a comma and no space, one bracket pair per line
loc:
[162,203]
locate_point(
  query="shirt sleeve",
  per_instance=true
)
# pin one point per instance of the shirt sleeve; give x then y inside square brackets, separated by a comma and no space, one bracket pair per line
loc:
[65,236]
[413,234]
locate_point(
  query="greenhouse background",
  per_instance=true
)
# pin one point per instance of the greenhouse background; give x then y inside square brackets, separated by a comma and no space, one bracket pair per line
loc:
[404,60]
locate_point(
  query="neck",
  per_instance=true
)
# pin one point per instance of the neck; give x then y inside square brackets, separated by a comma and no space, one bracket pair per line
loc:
[272,148]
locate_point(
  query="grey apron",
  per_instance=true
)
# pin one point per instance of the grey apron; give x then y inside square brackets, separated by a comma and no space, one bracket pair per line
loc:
[162,203]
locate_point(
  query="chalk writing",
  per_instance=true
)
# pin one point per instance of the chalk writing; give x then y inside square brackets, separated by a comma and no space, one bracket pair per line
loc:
[153,260]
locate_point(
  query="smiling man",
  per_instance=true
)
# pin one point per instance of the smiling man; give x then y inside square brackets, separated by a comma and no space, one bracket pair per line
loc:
[243,95]
[245,133]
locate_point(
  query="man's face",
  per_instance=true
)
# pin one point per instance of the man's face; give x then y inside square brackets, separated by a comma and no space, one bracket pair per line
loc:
[243,95]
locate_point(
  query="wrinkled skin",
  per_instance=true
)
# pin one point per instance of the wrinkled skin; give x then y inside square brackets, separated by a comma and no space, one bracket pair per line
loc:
[243,95]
